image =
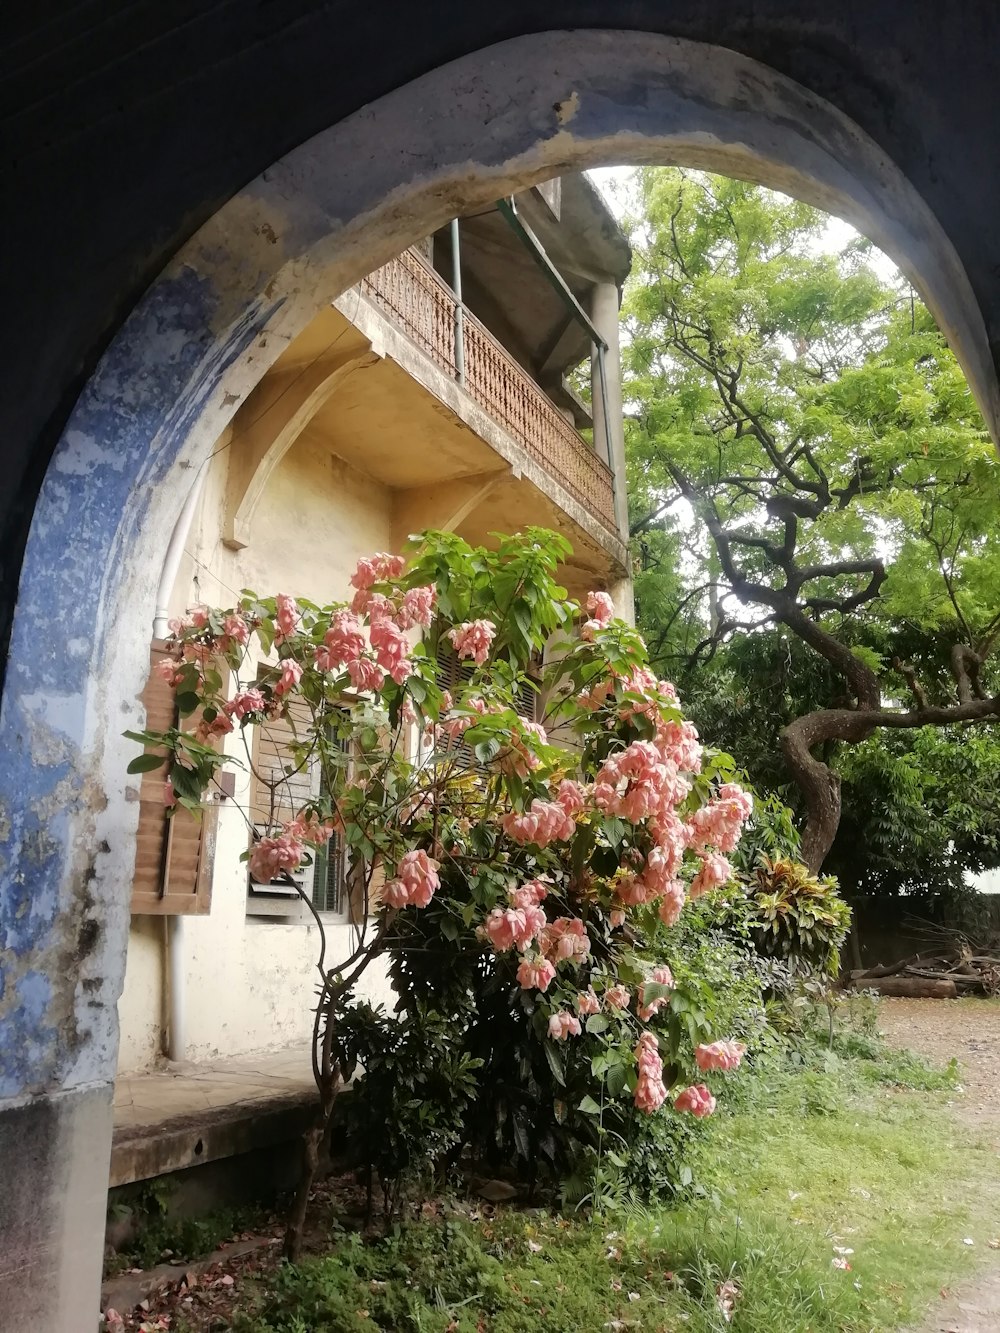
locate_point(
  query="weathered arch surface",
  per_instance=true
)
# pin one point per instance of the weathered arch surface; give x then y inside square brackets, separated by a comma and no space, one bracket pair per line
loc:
[193,348]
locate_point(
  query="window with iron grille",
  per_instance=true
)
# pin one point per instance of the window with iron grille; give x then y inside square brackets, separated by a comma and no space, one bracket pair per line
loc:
[279,788]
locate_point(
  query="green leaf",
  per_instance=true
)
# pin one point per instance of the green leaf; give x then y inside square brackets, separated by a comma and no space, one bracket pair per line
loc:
[145,763]
[589,1107]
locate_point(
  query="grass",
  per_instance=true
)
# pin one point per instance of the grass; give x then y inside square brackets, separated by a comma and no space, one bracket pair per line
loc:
[853,1150]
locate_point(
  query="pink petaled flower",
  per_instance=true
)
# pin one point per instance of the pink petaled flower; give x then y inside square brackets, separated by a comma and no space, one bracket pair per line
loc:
[198,616]
[678,742]
[457,726]
[169,795]
[169,669]
[417,607]
[715,870]
[236,628]
[719,823]
[366,674]
[597,695]
[269,856]
[672,904]
[310,828]
[446,701]
[544,822]
[563,1024]
[178,624]
[601,607]
[724,1055]
[697,1099]
[391,648]
[343,642]
[377,568]
[220,725]
[661,867]
[530,894]
[291,674]
[616,918]
[517,759]
[564,939]
[588,629]
[618,996]
[514,927]
[286,614]
[473,638]
[571,796]
[416,880]
[246,701]
[587,1002]
[650,1092]
[535,974]
[632,890]
[661,976]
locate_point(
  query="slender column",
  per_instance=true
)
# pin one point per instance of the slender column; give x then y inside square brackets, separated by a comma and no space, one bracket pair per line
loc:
[456,285]
[606,394]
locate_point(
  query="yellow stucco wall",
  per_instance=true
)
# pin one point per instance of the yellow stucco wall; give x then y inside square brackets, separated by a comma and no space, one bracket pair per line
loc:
[250,982]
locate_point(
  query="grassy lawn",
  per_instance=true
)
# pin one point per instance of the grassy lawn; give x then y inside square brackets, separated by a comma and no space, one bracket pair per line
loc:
[850,1159]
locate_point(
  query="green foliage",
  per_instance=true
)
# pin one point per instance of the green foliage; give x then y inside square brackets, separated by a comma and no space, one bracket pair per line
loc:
[844,1154]
[802,919]
[808,475]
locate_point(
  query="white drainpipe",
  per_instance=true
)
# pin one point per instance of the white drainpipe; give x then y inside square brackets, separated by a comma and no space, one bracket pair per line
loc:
[176,988]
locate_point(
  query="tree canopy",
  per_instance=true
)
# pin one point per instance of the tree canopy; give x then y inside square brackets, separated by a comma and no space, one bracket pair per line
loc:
[813,493]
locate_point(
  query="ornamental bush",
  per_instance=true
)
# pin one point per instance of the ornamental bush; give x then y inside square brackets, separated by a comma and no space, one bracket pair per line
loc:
[522,877]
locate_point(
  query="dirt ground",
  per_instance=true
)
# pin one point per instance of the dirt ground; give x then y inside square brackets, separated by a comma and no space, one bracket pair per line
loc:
[968,1031]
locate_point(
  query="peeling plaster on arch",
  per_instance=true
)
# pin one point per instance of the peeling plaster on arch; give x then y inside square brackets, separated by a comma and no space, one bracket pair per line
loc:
[206,331]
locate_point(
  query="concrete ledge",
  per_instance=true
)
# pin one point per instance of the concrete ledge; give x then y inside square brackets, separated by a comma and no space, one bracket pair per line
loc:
[140,1152]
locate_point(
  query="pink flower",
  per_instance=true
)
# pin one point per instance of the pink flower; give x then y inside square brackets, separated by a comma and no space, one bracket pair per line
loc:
[377,569]
[588,629]
[601,607]
[246,701]
[169,670]
[650,1092]
[672,904]
[565,939]
[286,614]
[661,976]
[169,795]
[366,674]
[697,1099]
[291,674]
[236,628]
[220,725]
[563,1024]
[415,882]
[270,856]
[616,918]
[417,607]
[587,1002]
[517,758]
[510,927]
[596,696]
[618,996]
[715,870]
[391,648]
[343,642]
[530,894]
[310,828]
[544,822]
[719,823]
[723,1055]
[535,974]
[571,796]
[473,638]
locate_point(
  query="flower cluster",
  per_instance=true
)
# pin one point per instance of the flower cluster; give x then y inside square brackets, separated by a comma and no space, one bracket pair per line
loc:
[415,882]
[724,1055]
[650,1092]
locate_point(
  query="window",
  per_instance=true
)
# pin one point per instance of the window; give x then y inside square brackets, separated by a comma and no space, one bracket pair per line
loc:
[454,672]
[278,790]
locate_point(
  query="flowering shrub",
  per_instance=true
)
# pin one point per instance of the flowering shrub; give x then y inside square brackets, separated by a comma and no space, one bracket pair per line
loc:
[543,879]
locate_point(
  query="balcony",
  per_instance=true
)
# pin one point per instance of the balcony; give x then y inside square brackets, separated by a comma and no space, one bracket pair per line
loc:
[418,302]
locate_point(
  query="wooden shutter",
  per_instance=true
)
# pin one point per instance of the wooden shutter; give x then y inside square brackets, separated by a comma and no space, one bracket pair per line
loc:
[174,856]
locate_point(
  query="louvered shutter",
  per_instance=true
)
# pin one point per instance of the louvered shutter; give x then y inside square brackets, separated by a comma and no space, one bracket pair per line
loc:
[174,856]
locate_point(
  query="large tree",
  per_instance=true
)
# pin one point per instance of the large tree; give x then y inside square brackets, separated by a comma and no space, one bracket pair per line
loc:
[805,455]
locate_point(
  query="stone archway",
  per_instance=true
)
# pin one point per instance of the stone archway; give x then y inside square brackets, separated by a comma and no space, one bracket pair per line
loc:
[193,348]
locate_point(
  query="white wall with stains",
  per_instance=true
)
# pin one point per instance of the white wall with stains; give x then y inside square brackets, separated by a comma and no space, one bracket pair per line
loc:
[250,981]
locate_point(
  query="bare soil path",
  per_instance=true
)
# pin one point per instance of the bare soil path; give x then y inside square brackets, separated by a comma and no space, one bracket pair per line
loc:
[969,1032]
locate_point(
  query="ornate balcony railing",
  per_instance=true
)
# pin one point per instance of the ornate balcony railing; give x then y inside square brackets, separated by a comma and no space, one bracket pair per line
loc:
[416,299]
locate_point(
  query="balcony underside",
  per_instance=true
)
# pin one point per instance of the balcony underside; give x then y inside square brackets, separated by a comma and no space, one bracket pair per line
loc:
[354,384]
